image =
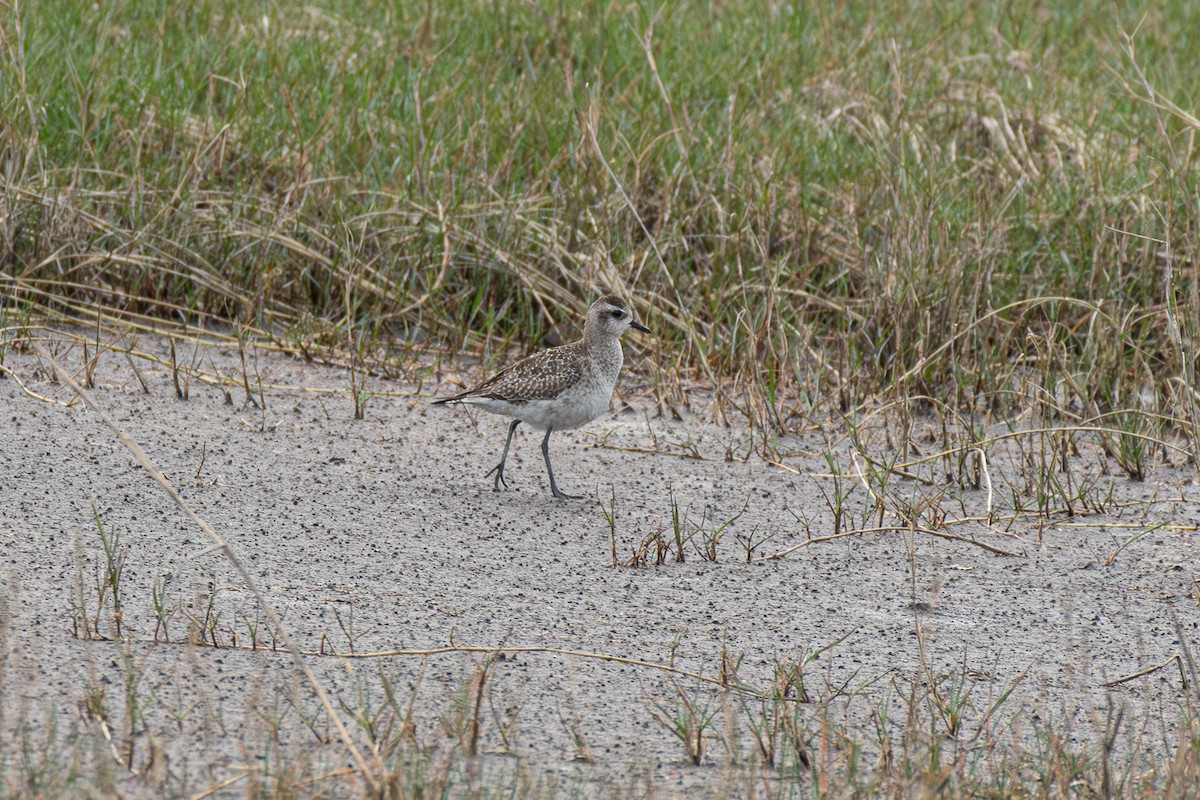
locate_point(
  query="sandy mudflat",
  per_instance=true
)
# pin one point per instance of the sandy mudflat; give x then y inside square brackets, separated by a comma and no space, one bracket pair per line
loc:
[386,532]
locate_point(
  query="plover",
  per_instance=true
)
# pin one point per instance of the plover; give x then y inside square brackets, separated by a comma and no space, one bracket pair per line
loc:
[563,387]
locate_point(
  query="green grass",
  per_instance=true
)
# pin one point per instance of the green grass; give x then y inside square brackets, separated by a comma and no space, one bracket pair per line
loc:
[908,190]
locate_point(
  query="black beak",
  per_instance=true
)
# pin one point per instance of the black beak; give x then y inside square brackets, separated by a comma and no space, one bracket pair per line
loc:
[637,326]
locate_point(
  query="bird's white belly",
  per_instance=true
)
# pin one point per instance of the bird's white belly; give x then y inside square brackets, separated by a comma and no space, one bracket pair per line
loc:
[575,407]
[567,411]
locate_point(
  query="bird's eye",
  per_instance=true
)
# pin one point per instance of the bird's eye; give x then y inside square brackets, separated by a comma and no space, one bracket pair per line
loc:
[617,314]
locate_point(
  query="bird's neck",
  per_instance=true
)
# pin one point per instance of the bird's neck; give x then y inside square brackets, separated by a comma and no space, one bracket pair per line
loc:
[606,354]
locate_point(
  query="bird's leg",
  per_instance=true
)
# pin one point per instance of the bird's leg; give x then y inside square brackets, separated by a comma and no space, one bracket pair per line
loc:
[550,470]
[499,468]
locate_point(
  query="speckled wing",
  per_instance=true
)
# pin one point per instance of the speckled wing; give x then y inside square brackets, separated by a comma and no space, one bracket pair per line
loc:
[542,376]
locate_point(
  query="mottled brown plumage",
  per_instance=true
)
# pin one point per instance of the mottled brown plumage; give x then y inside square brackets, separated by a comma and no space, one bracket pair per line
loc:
[542,376]
[563,387]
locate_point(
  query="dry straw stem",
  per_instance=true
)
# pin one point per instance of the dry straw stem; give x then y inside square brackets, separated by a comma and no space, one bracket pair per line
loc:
[902,469]
[487,650]
[1162,526]
[33,394]
[680,306]
[1026,304]
[162,480]
[1175,658]
[636,662]
[112,746]
[1035,516]
[57,303]
[894,529]
[725,683]
[1147,93]
[225,784]
[213,378]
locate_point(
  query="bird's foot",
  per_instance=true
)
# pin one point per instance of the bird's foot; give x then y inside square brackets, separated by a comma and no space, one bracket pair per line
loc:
[561,495]
[500,481]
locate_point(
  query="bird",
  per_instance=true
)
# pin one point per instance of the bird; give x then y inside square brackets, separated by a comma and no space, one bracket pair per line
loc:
[558,388]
